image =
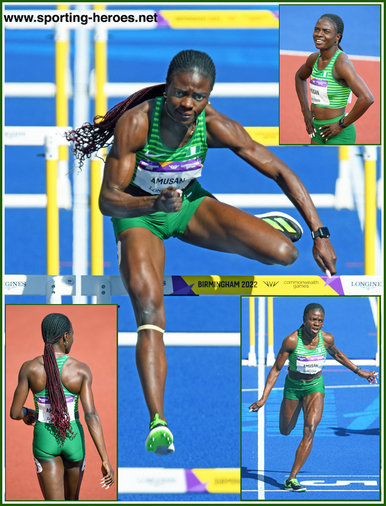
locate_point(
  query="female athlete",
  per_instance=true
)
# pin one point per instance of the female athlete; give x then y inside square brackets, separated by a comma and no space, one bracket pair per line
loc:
[333,78]
[151,191]
[305,350]
[57,381]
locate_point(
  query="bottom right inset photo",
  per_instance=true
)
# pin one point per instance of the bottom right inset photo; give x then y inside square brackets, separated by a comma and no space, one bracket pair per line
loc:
[310,400]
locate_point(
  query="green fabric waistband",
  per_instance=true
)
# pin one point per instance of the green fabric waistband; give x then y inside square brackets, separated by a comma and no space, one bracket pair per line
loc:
[327,121]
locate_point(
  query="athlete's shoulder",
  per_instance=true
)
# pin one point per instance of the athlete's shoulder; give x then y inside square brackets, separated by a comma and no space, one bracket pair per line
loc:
[32,364]
[132,128]
[213,115]
[343,60]
[136,115]
[311,59]
[223,131]
[328,338]
[290,342]
[31,368]
[77,367]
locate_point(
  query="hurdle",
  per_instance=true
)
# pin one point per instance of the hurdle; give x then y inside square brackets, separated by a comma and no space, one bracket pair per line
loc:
[265,329]
[51,138]
[105,287]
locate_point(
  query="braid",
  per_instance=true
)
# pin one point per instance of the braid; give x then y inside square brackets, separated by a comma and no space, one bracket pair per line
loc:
[338,22]
[190,59]
[54,327]
[92,136]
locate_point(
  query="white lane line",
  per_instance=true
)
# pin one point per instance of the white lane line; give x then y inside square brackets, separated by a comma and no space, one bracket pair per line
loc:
[326,386]
[261,413]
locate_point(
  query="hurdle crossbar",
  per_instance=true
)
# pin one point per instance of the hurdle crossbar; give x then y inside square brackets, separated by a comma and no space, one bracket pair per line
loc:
[186,338]
[119,90]
[266,314]
[52,138]
[104,287]
[30,284]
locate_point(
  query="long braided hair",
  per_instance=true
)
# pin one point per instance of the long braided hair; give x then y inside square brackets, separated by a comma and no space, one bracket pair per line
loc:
[91,137]
[54,326]
[338,22]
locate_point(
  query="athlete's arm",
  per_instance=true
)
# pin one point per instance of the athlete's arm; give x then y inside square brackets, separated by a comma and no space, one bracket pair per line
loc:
[130,136]
[224,132]
[94,425]
[301,77]
[345,72]
[340,357]
[287,347]
[18,411]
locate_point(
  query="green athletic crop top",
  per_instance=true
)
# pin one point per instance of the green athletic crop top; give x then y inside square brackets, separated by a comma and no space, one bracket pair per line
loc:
[307,361]
[157,166]
[42,402]
[325,90]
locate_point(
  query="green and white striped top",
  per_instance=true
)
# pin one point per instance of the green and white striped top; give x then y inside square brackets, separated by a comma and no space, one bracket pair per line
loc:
[308,361]
[158,166]
[42,401]
[325,90]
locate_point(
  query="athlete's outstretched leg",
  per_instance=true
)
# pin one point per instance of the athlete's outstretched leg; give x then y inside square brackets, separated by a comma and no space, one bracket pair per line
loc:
[221,227]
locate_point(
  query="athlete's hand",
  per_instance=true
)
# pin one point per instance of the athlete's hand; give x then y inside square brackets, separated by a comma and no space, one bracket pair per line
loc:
[309,123]
[324,255]
[169,200]
[108,475]
[30,417]
[371,376]
[328,131]
[256,405]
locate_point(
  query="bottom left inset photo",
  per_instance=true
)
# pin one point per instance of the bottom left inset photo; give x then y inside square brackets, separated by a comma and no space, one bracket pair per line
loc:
[60,402]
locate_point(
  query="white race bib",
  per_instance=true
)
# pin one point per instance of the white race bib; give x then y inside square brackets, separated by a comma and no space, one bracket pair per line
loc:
[310,365]
[44,407]
[153,177]
[318,89]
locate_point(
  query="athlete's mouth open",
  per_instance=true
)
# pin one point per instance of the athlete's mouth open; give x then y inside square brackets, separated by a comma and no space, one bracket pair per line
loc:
[185,115]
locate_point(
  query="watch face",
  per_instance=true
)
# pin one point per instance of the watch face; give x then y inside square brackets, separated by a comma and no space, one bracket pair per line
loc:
[324,232]
[321,232]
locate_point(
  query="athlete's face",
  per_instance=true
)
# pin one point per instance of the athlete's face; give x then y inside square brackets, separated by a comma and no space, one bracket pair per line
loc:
[325,34]
[186,96]
[313,321]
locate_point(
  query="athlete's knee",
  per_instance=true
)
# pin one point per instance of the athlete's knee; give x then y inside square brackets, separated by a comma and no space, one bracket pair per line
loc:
[286,253]
[285,431]
[145,294]
[309,431]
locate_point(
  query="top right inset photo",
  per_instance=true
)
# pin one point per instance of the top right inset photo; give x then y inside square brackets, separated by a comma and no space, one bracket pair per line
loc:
[330,77]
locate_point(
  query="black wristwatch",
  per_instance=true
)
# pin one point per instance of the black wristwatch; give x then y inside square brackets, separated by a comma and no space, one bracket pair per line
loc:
[341,124]
[322,232]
